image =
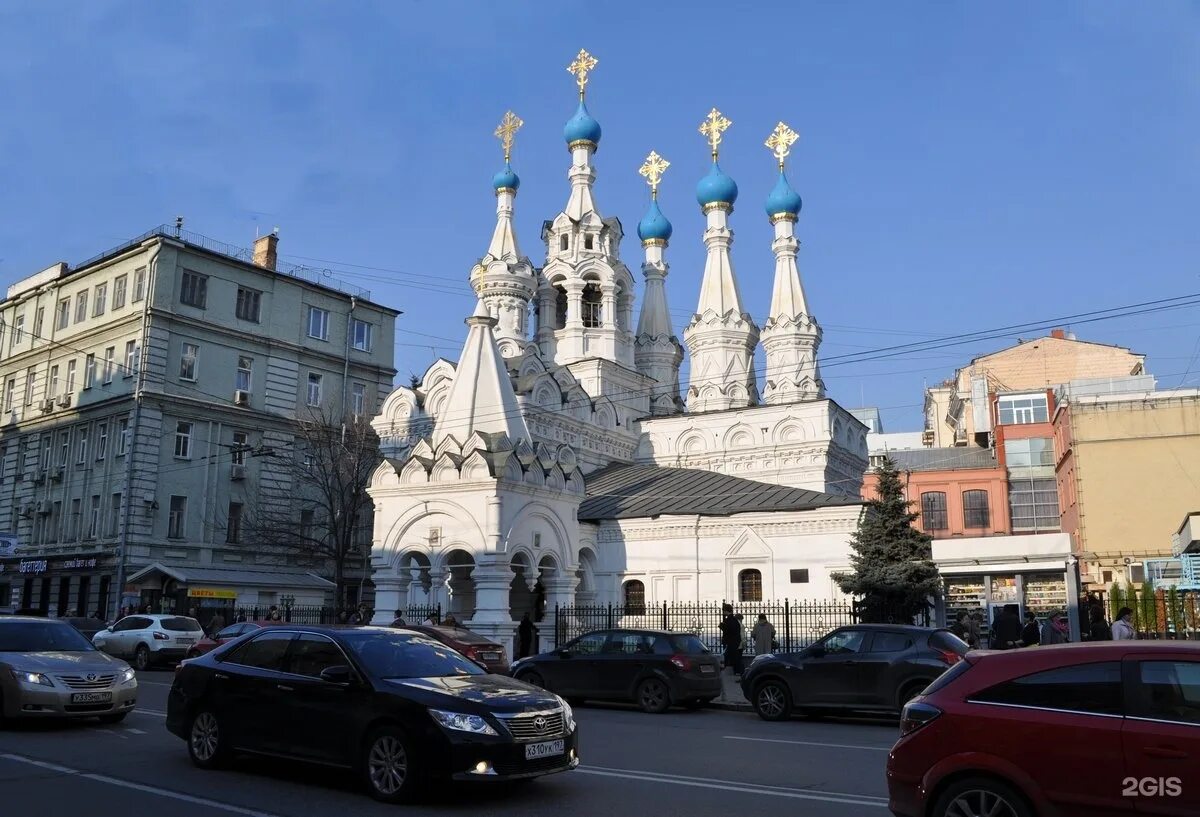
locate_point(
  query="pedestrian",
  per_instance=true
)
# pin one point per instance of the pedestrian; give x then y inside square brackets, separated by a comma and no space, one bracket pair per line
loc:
[430,620]
[961,627]
[1122,628]
[1031,634]
[1098,629]
[450,621]
[193,612]
[763,635]
[731,640]
[273,614]
[526,632]
[975,630]
[1054,631]
[241,616]
[216,623]
[1006,629]
[398,619]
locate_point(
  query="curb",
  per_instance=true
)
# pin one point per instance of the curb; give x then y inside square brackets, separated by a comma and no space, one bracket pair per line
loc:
[730,706]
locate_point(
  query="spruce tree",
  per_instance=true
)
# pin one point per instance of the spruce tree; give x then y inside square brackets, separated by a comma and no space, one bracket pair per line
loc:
[893,572]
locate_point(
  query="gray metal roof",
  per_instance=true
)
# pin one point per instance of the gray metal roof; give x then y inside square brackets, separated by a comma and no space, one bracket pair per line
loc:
[237,576]
[943,459]
[637,491]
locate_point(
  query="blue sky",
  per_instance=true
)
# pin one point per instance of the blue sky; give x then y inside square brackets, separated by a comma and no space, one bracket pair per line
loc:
[963,165]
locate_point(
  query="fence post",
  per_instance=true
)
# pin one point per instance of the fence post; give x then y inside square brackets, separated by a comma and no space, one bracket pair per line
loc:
[664,619]
[609,623]
[787,626]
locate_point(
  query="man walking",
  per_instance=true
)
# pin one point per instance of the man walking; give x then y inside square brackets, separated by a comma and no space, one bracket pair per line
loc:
[763,635]
[731,640]
[525,635]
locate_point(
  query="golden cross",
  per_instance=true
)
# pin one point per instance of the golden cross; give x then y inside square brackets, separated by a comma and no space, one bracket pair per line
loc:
[509,125]
[653,169]
[584,62]
[712,127]
[780,142]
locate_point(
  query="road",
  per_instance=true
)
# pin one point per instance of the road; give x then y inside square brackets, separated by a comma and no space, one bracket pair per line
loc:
[684,763]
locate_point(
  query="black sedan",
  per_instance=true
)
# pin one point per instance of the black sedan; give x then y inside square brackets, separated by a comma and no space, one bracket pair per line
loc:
[396,706]
[868,668]
[651,668]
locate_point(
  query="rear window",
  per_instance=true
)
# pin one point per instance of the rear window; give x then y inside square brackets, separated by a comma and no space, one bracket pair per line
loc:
[946,677]
[1090,688]
[180,624]
[946,640]
[688,645]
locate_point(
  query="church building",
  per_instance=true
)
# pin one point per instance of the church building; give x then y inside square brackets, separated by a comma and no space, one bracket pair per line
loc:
[558,463]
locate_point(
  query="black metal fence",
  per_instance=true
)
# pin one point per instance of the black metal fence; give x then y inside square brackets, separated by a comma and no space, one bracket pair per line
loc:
[414,614]
[1157,613]
[797,623]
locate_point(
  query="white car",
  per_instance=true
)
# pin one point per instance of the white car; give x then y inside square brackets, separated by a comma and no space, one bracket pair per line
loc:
[146,640]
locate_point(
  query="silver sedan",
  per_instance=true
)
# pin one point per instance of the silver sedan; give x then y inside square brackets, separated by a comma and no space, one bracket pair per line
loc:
[49,670]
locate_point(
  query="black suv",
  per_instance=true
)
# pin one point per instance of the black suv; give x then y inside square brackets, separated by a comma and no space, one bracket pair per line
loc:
[867,667]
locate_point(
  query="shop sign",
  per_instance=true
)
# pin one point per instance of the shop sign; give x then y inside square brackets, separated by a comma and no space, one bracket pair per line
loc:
[8,544]
[78,564]
[32,566]
[211,593]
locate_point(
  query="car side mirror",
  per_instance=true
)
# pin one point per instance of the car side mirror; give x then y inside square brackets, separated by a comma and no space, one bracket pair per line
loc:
[341,675]
[564,653]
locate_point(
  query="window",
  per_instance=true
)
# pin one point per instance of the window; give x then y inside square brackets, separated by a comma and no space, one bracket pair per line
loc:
[799,576]
[9,389]
[101,300]
[39,319]
[183,440]
[131,357]
[177,518]
[587,242]
[312,654]
[560,307]
[139,284]
[241,442]
[93,527]
[81,445]
[194,290]
[1170,691]
[1036,453]
[593,313]
[249,304]
[188,359]
[101,440]
[933,511]
[233,525]
[264,652]
[362,335]
[318,323]
[628,644]
[564,243]
[89,371]
[47,452]
[18,333]
[635,598]
[843,642]
[1033,504]
[590,644]
[70,377]
[122,437]
[890,642]
[750,585]
[1022,409]
[314,389]
[358,395]
[119,285]
[114,514]
[60,527]
[30,383]
[306,524]
[76,519]
[81,301]
[64,448]
[1089,688]
[63,317]
[245,367]
[110,360]
[975,509]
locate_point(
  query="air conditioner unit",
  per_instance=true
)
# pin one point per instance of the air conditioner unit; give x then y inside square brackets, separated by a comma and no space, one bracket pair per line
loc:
[27,510]
[37,477]
[65,401]
[12,419]
[43,508]
[47,405]
[241,398]
[237,472]
[58,473]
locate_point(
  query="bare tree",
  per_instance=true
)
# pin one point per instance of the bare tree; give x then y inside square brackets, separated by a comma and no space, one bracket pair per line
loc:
[312,497]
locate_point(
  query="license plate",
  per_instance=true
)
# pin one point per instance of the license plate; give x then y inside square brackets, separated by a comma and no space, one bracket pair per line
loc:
[92,697]
[550,748]
[489,656]
[707,669]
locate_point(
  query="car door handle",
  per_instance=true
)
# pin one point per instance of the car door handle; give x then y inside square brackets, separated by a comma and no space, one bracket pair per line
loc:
[285,688]
[220,676]
[849,662]
[1166,753]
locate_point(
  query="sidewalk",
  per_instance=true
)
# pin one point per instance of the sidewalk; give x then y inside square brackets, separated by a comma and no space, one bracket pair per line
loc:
[731,698]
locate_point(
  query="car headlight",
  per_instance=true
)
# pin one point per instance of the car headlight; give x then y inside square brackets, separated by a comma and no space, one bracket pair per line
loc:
[127,675]
[568,715]
[32,678]
[459,722]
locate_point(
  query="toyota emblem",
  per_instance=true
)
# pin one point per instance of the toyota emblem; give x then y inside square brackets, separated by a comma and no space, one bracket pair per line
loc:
[540,723]
[91,676]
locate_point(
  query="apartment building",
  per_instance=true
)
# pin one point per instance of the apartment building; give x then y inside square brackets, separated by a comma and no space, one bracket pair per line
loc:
[145,395]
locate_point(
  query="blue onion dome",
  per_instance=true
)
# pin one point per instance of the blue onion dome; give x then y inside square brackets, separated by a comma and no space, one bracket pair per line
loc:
[581,127]
[654,225]
[506,178]
[716,188]
[783,198]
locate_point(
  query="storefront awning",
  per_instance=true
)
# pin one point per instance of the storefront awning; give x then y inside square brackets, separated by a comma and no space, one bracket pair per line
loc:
[222,579]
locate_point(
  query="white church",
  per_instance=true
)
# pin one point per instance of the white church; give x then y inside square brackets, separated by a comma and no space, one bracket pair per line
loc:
[559,464]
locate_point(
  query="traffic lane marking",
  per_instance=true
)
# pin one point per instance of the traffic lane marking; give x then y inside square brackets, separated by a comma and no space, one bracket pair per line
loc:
[142,787]
[813,743]
[152,712]
[844,798]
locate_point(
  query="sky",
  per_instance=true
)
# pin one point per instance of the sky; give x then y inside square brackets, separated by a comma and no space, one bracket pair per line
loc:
[964,166]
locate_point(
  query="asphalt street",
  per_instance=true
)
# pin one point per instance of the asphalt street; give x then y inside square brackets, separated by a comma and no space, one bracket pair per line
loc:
[682,763]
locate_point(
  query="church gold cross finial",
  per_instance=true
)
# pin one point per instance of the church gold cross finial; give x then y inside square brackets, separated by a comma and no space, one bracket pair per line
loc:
[584,62]
[652,169]
[780,142]
[509,125]
[712,127]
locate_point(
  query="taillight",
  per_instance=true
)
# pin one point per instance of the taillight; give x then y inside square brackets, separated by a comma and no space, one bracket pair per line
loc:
[682,662]
[161,637]
[950,657]
[469,652]
[916,715]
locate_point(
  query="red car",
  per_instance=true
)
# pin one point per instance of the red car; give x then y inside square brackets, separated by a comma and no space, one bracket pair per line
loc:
[474,646]
[224,636]
[1091,729]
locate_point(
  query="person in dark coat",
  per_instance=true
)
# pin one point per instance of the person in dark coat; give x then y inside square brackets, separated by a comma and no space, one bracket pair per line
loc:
[1098,629]
[1006,629]
[1031,635]
[525,635]
[961,628]
[731,640]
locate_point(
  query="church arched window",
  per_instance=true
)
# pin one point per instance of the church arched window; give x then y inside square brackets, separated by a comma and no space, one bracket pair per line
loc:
[635,598]
[560,306]
[593,313]
[588,242]
[564,243]
[750,585]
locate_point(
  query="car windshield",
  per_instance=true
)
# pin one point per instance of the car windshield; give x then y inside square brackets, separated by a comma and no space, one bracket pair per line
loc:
[180,624]
[407,655]
[42,636]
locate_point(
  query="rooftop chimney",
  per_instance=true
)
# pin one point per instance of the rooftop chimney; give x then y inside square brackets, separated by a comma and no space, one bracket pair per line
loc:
[266,251]
[1058,333]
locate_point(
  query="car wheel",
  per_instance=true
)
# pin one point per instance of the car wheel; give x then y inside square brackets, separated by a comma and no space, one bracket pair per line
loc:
[981,795]
[141,658]
[910,691]
[773,701]
[653,696]
[206,742]
[115,717]
[534,679]
[387,766]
